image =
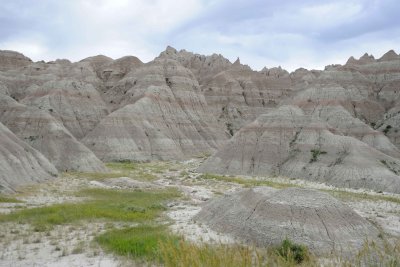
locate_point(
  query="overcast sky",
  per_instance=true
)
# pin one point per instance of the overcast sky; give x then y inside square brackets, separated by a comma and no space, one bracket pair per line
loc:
[290,33]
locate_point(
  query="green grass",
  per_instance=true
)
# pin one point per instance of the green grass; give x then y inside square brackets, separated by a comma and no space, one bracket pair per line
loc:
[247,182]
[157,246]
[6,199]
[141,242]
[115,205]
[292,252]
[315,153]
[184,253]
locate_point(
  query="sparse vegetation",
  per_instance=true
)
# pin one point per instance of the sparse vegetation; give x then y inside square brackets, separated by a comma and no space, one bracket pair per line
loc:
[389,166]
[315,153]
[117,205]
[347,195]
[145,171]
[247,182]
[79,248]
[7,199]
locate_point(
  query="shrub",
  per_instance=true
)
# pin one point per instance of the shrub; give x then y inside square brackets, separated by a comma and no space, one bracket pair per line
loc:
[315,153]
[292,252]
[387,129]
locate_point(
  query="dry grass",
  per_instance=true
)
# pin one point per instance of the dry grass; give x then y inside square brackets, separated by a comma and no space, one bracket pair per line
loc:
[246,182]
[347,195]
[7,199]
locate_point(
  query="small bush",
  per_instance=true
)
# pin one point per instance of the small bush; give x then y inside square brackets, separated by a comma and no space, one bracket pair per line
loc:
[292,252]
[387,129]
[315,154]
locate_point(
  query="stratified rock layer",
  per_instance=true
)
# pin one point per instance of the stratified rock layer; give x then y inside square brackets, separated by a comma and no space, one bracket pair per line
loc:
[291,143]
[182,105]
[304,216]
[162,115]
[12,60]
[20,164]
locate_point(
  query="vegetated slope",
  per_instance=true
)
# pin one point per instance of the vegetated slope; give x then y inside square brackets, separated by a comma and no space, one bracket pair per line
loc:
[305,216]
[19,163]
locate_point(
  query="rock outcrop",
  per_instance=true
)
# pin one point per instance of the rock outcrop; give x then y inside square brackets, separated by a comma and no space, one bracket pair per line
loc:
[160,114]
[291,143]
[308,217]
[12,60]
[183,104]
[20,164]
[39,129]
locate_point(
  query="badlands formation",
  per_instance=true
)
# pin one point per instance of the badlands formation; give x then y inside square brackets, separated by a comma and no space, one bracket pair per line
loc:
[339,126]
[190,122]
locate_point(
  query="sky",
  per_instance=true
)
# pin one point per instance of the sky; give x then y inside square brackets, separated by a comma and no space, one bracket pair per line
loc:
[287,33]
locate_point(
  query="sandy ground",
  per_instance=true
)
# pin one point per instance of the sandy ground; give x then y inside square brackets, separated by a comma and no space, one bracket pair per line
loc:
[73,245]
[63,246]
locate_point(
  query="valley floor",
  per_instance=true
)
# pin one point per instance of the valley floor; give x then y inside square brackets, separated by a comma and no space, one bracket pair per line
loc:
[73,239]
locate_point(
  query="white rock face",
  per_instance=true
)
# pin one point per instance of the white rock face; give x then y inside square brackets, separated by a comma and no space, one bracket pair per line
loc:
[21,164]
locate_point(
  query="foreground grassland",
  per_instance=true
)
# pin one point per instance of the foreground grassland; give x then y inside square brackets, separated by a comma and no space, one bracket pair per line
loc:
[139,230]
[156,245]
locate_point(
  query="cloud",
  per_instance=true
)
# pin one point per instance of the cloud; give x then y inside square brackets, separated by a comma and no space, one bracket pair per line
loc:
[289,33]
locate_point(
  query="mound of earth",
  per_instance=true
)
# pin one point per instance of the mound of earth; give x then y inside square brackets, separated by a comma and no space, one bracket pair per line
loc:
[12,60]
[289,142]
[160,114]
[39,129]
[21,164]
[305,216]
